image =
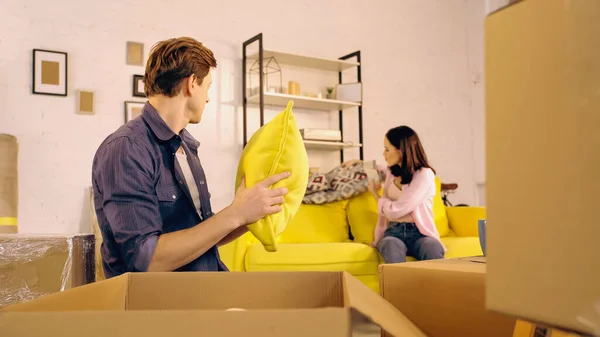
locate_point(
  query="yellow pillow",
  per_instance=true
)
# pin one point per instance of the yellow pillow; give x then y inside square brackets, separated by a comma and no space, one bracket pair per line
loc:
[276,147]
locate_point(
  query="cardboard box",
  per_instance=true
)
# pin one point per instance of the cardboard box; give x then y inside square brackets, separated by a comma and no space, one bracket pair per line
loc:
[195,304]
[542,61]
[444,297]
[32,266]
[9,184]
[527,329]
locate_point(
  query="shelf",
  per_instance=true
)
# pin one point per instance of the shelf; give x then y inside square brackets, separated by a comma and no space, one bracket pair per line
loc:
[303,102]
[324,145]
[306,61]
[276,60]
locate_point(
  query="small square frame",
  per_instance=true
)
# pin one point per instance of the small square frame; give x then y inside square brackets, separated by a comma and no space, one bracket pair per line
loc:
[40,88]
[138,86]
[129,109]
[79,101]
[131,58]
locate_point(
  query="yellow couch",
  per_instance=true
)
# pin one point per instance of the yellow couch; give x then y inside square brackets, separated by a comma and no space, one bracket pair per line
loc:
[318,239]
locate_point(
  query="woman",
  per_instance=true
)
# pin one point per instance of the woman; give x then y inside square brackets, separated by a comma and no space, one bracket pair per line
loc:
[405,225]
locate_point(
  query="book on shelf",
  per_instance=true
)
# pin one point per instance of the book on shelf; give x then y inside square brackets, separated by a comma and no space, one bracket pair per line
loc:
[325,135]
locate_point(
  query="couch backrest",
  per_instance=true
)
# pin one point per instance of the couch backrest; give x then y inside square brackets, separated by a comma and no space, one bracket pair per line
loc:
[362,215]
[331,222]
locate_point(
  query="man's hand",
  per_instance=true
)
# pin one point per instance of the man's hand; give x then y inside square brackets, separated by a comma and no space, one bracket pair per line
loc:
[254,203]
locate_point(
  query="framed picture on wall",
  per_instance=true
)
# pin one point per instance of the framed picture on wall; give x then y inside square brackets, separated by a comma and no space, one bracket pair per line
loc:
[138,86]
[85,102]
[49,72]
[133,110]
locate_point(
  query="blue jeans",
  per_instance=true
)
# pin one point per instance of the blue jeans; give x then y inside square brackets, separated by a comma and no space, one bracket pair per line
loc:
[400,239]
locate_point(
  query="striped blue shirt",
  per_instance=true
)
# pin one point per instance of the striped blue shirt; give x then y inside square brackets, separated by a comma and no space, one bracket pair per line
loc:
[140,193]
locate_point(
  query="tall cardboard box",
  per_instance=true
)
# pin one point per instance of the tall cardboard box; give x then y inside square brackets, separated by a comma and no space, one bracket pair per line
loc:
[9,183]
[33,266]
[542,74]
[444,298]
[200,304]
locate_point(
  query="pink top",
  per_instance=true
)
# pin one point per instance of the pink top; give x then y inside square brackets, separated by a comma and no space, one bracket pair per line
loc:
[415,199]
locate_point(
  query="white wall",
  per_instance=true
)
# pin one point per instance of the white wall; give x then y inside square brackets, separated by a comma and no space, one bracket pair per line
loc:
[475,47]
[419,63]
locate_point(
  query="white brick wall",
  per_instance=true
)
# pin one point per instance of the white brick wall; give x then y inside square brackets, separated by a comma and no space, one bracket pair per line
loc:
[416,72]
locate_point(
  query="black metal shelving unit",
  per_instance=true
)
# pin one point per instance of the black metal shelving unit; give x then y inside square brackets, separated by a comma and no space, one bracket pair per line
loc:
[259,98]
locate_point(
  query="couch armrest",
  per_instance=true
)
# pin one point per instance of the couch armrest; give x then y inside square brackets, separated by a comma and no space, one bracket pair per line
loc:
[463,220]
[233,254]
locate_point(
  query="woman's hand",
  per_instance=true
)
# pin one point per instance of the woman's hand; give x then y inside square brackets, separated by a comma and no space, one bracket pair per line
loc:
[350,162]
[374,189]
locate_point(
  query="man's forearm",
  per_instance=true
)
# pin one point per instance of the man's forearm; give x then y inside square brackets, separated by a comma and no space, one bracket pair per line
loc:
[176,249]
[233,235]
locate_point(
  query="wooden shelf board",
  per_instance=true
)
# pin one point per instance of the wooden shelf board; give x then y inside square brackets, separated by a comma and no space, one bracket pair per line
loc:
[324,145]
[303,102]
[306,61]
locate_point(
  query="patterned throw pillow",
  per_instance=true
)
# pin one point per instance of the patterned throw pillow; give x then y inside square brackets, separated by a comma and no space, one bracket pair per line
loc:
[317,182]
[344,183]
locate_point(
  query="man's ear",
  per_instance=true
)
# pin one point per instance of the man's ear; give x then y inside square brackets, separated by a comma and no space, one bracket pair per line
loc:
[190,84]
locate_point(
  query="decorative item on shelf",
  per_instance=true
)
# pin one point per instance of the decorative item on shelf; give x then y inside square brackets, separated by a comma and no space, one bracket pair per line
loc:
[310,94]
[350,92]
[270,66]
[85,102]
[330,93]
[133,110]
[138,86]
[293,88]
[135,53]
[49,72]
[252,91]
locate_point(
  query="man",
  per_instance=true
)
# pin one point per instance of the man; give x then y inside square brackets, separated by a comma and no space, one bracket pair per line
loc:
[150,192]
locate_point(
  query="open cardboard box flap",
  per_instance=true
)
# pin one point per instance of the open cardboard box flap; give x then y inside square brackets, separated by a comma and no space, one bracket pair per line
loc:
[444,297]
[294,303]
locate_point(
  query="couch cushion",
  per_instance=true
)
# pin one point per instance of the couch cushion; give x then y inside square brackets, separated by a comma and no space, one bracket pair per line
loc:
[318,223]
[276,147]
[354,258]
[464,220]
[362,217]
[439,210]
[461,246]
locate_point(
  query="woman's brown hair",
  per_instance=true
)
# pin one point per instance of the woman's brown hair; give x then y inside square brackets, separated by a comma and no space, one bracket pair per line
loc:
[173,60]
[413,157]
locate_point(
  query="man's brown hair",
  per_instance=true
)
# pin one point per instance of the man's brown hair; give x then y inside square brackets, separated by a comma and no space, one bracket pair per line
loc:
[173,60]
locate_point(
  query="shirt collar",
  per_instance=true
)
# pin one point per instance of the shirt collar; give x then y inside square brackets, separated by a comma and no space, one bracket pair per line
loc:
[189,140]
[156,123]
[163,131]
